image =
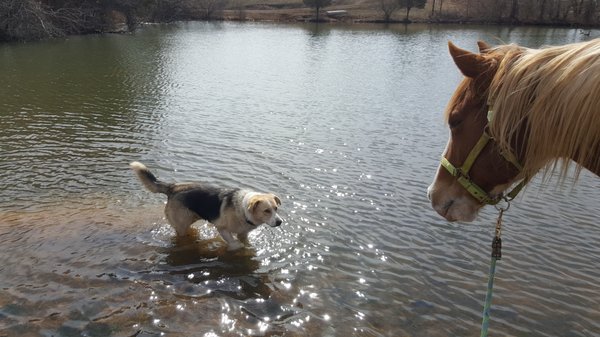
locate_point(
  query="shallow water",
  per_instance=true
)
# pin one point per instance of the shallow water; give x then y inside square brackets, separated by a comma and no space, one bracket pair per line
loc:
[345,124]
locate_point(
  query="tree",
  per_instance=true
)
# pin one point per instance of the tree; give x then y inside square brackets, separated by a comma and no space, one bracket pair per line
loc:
[317,4]
[209,8]
[32,20]
[389,7]
[588,11]
[409,4]
[514,12]
[542,9]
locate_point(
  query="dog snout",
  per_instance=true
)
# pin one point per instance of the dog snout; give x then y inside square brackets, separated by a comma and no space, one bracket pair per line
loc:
[278,222]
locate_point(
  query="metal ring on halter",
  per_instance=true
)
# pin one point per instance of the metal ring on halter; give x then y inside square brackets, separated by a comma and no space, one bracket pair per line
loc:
[505,199]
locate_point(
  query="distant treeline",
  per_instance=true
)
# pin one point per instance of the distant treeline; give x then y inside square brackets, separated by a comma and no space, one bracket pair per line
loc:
[581,13]
[38,19]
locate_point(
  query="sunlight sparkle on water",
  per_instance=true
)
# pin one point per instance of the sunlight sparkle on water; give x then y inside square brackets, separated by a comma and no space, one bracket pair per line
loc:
[228,322]
[262,326]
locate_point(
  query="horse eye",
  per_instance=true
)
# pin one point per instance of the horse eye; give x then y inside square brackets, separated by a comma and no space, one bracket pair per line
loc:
[453,123]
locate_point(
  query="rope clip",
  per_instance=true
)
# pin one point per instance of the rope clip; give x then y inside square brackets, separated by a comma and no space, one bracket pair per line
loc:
[497,241]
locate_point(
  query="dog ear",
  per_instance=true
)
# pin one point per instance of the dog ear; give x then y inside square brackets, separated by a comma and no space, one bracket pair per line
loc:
[277,200]
[253,203]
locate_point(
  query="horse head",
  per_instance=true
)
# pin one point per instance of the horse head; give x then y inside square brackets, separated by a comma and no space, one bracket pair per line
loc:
[487,171]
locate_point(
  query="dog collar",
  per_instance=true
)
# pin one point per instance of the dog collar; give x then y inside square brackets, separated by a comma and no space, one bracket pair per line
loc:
[250,222]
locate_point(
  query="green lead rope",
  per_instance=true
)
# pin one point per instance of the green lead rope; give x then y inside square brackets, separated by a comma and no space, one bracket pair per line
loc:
[488,299]
[496,255]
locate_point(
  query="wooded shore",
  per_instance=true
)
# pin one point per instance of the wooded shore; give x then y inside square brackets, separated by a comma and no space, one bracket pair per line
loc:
[26,20]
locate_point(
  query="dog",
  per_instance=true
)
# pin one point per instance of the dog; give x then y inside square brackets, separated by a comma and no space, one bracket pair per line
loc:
[231,211]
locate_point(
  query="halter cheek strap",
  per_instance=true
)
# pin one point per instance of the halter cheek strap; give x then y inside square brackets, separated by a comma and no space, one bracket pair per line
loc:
[462,173]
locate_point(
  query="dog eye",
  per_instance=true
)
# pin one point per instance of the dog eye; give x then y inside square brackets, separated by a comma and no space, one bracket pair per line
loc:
[267,211]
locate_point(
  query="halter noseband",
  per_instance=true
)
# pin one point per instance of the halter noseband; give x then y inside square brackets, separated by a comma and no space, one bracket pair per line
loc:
[462,173]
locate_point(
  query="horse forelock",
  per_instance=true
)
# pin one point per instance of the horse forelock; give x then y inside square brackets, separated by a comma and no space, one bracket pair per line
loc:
[552,96]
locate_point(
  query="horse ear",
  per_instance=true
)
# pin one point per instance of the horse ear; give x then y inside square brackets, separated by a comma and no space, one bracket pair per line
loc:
[484,48]
[470,64]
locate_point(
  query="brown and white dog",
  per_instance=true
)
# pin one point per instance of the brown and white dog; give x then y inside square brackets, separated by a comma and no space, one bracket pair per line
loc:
[231,211]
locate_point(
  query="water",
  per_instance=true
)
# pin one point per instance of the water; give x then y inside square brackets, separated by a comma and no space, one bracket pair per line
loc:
[345,124]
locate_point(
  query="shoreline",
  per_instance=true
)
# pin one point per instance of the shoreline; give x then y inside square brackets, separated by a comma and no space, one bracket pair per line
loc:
[353,17]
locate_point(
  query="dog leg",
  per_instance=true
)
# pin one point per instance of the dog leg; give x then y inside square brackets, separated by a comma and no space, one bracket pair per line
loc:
[243,237]
[180,218]
[232,243]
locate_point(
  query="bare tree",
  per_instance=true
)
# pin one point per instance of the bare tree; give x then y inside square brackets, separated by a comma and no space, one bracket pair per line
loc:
[209,9]
[542,9]
[239,7]
[317,5]
[409,4]
[589,12]
[389,7]
[514,11]
[24,20]
[31,20]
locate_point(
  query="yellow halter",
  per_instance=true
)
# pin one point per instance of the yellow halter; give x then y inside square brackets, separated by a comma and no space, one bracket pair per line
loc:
[462,173]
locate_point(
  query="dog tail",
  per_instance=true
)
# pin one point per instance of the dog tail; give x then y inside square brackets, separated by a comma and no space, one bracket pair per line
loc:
[149,180]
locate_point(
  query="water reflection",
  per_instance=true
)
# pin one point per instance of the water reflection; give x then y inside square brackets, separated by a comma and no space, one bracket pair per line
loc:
[317,29]
[208,263]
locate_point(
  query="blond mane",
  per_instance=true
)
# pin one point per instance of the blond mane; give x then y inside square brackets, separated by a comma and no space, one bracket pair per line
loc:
[555,93]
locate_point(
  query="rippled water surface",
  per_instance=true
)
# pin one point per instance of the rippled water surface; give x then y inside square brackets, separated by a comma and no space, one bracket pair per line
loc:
[345,124]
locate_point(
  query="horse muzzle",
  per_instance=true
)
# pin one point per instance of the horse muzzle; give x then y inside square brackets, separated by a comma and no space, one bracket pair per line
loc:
[453,203]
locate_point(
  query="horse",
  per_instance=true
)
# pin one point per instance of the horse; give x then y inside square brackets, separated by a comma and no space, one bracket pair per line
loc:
[518,111]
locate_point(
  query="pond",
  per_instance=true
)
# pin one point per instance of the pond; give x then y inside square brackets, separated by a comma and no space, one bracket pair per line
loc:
[343,123]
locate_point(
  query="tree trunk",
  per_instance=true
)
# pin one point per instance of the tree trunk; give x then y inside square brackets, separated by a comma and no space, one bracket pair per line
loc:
[318,14]
[542,10]
[514,11]
[407,12]
[468,5]
[556,14]
[433,8]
